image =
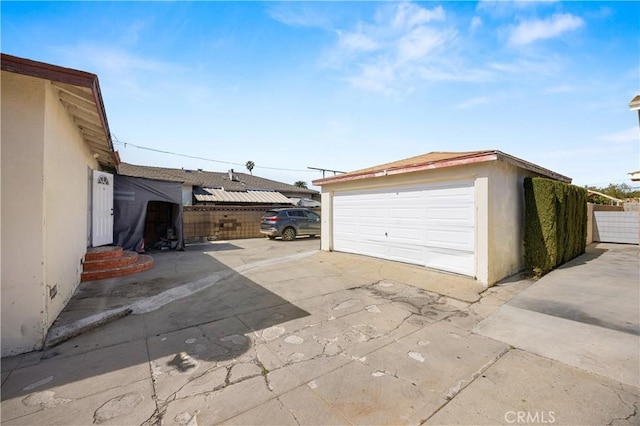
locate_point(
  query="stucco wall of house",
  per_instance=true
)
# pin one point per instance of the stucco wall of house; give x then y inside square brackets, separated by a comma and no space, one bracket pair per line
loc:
[44,210]
[23,305]
[66,161]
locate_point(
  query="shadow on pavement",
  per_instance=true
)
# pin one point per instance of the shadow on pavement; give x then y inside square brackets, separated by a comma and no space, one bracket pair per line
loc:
[214,324]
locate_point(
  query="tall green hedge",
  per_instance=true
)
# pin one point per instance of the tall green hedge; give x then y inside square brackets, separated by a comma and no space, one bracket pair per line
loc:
[555,223]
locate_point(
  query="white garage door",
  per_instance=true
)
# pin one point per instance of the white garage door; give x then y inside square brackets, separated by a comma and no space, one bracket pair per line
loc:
[431,225]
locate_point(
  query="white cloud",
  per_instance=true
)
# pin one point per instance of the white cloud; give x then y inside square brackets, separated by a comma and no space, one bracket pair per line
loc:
[123,72]
[398,46]
[356,42]
[409,15]
[505,8]
[375,77]
[298,14]
[538,66]
[108,59]
[476,22]
[629,135]
[539,29]
[420,42]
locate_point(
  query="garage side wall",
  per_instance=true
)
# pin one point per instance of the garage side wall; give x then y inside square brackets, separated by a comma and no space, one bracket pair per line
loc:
[506,221]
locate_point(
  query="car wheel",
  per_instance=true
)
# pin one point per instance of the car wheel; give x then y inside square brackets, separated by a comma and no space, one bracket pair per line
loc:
[289,234]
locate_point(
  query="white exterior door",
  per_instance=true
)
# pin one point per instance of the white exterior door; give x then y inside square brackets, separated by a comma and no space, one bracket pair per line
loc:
[431,225]
[102,209]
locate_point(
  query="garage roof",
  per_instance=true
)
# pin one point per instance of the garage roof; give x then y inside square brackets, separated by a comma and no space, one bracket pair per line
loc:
[437,160]
[79,92]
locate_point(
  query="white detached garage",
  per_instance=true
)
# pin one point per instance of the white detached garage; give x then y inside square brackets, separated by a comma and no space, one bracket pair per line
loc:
[460,212]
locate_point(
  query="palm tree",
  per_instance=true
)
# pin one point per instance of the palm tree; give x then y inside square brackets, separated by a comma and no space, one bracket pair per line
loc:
[250,165]
[300,184]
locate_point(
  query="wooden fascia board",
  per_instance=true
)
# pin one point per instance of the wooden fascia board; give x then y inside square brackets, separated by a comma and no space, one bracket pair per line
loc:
[97,94]
[46,71]
[408,169]
[460,161]
[532,167]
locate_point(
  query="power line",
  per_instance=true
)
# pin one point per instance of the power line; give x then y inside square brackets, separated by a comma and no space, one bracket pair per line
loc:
[125,144]
[608,182]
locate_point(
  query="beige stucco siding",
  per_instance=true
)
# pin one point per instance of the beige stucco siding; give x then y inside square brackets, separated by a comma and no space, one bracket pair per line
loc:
[23,100]
[44,209]
[505,221]
[66,162]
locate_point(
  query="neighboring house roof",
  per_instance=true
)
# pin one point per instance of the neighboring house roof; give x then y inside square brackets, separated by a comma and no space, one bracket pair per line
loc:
[240,181]
[79,92]
[221,196]
[437,160]
[635,176]
[608,197]
[634,105]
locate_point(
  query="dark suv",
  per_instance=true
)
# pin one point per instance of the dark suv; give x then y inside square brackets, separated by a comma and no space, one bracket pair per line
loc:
[288,223]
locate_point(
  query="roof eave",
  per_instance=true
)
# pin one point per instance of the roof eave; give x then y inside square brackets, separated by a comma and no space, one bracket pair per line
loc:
[460,161]
[409,169]
[533,167]
[72,77]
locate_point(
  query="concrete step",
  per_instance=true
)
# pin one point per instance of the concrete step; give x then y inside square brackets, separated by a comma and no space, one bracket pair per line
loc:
[142,263]
[105,252]
[126,258]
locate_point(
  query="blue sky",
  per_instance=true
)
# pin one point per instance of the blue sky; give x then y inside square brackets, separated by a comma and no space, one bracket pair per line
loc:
[348,85]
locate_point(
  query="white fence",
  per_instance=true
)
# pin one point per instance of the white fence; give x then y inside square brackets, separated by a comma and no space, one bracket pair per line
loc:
[616,227]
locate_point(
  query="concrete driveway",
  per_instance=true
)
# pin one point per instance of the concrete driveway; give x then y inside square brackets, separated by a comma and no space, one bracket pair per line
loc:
[585,314]
[270,332]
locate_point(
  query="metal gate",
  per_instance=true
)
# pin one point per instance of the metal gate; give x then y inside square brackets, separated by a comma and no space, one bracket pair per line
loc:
[616,227]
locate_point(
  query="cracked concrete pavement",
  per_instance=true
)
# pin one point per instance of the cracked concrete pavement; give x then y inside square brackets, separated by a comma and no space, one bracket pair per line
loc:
[280,333]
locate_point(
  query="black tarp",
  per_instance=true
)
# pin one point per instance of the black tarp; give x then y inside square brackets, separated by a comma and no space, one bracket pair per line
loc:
[130,199]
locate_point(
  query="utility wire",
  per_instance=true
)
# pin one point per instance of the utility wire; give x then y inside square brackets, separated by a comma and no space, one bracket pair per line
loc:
[125,144]
[608,182]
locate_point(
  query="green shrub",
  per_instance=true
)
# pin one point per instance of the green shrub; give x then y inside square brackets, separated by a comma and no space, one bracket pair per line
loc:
[555,223]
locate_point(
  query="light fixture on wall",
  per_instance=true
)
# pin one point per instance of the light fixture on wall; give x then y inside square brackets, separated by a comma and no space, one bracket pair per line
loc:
[96,155]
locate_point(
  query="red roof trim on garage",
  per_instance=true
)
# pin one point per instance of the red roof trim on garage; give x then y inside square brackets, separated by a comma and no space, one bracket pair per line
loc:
[438,160]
